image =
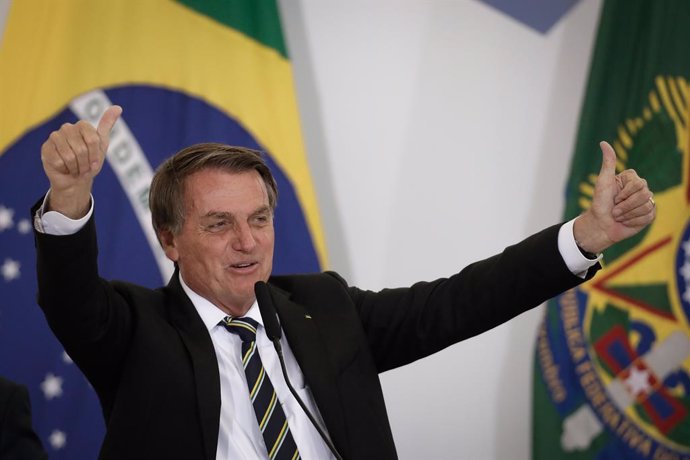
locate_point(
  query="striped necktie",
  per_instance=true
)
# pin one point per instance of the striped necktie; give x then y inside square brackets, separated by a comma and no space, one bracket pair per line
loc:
[269,414]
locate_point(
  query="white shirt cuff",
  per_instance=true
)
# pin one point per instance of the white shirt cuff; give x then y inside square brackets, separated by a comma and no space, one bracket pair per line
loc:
[54,223]
[577,263]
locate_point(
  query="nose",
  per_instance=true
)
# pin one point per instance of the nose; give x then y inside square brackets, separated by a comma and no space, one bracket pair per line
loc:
[243,239]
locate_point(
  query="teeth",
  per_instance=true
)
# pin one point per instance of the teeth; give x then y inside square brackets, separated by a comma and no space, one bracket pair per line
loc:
[241,265]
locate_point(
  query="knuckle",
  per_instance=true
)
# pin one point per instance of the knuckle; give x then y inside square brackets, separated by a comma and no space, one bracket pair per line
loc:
[80,150]
[91,140]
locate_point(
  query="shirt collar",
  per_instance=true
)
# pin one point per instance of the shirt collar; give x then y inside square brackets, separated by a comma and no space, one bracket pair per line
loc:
[212,315]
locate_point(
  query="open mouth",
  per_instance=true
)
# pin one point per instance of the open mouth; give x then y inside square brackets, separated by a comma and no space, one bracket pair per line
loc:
[243,265]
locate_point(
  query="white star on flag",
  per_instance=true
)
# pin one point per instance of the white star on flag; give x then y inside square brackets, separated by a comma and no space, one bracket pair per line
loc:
[685,271]
[66,359]
[52,386]
[10,269]
[57,439]
[686,248]
[24,226]
[6,218]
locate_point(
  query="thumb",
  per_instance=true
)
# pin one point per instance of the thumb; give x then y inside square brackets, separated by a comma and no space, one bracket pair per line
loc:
[608,164]
[110,116]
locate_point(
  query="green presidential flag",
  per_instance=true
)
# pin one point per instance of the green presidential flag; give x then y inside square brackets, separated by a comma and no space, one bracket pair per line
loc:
[612,361]
[184,71]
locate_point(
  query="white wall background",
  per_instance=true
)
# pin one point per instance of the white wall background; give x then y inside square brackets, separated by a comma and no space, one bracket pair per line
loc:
[439,131]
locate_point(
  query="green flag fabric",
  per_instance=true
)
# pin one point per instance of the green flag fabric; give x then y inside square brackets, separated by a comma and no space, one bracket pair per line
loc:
[612,361]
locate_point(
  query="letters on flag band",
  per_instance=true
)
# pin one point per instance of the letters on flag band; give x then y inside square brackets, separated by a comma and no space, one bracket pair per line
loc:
[612,372]
[184,72]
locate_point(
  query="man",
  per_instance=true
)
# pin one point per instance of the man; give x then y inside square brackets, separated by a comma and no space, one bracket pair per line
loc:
[170,366]
[18,441]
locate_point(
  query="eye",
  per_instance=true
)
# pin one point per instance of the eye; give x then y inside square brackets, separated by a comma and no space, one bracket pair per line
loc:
[262,219]
[215,226]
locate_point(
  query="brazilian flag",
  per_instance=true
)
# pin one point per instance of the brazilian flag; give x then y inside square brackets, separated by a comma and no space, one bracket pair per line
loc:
[612,373]
[184,71]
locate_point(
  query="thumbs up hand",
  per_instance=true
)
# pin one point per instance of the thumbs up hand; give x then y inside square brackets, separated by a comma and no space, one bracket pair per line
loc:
[622,206]
[72,156]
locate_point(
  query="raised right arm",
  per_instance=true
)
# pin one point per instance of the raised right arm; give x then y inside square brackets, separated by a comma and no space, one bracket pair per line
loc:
[72,157]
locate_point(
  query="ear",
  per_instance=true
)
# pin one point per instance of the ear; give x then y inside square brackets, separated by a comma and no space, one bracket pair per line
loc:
[167,239]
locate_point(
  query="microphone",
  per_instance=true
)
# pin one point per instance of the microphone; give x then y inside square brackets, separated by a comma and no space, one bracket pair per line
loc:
[274,333]
[268,312]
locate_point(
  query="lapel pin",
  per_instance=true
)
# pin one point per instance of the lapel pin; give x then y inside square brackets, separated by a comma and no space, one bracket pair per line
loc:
[307,316]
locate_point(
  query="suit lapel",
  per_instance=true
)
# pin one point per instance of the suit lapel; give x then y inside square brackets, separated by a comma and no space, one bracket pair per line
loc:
[309,350]
[195,336]
[306,345]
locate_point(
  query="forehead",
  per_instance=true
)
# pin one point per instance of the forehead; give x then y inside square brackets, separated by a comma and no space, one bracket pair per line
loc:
[227,191]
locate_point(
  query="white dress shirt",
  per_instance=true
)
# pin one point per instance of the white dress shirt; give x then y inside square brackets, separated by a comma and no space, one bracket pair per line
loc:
[239,436]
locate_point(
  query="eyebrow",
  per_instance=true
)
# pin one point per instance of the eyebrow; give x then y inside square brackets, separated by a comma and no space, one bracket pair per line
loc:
[217,214]
[228,215]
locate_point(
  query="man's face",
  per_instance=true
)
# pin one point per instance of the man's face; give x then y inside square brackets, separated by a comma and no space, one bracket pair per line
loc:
[226,242]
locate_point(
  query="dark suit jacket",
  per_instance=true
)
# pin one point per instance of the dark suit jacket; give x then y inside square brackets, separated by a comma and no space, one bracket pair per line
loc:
[18,441]
[152,363]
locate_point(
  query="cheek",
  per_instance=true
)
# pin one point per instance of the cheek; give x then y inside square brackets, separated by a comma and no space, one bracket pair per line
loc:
[199,253]
[268,238]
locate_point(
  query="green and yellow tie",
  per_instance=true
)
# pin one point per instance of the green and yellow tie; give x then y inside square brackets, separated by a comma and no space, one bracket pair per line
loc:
[269,414]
